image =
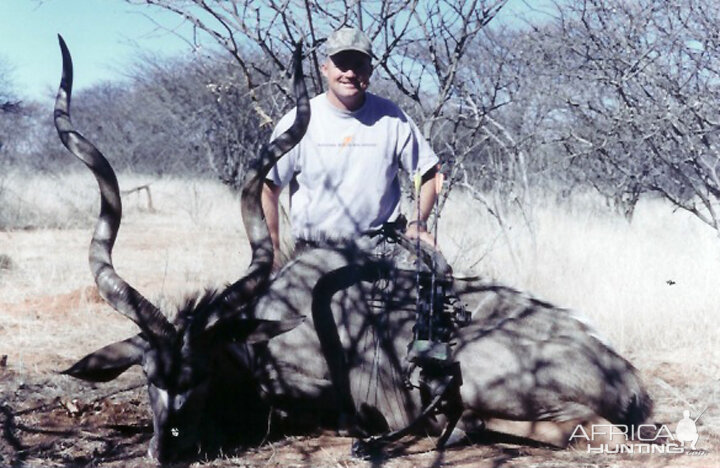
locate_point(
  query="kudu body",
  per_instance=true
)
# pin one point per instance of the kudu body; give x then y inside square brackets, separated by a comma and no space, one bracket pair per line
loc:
[521,359]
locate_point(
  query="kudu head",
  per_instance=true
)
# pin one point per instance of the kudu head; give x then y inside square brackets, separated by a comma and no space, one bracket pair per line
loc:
[177,357]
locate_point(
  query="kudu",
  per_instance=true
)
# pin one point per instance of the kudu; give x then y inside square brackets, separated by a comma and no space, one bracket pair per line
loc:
[520,359]
[177,358]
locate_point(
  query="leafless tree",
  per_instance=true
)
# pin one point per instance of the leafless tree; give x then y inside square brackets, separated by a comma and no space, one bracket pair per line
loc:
[642,98]
[420,48]
[8,99]
[9,104]
[208,99]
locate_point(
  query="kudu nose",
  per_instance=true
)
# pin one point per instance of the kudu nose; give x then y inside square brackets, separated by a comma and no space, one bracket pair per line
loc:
[161,453]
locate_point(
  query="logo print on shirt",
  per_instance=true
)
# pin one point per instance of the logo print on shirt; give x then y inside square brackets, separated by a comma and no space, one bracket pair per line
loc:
[346,141]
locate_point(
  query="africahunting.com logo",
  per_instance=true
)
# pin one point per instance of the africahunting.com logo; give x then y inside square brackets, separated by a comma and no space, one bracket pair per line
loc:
[643,438]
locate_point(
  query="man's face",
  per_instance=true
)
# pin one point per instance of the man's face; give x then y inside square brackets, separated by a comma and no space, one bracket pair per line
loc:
[348,75]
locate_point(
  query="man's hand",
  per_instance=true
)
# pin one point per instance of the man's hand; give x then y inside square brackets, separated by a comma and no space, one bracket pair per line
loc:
[418,230]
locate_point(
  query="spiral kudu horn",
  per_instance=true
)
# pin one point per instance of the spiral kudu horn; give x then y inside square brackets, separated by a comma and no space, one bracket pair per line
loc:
[118,293]
[258,273]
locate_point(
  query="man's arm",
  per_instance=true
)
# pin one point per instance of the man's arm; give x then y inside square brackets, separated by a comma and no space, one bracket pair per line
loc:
[418,227]
[270,198]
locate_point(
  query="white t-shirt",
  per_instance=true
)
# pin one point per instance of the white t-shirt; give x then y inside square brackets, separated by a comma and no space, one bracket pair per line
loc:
[343,174]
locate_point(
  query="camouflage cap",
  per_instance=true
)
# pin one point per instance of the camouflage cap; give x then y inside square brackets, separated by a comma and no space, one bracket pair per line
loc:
[348,39]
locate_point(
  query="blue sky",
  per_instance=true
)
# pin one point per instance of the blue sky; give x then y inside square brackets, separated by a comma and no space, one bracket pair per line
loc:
[104,37]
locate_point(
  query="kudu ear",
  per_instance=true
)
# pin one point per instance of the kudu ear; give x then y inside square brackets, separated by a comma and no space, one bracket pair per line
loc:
[251,330]
[263,330]
[108,362]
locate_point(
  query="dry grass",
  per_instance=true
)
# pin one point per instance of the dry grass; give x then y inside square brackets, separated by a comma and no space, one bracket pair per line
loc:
[646,283]
[580,255]
[193,239]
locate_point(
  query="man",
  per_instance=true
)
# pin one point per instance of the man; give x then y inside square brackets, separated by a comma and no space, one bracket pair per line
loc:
[344,182]
[344,174]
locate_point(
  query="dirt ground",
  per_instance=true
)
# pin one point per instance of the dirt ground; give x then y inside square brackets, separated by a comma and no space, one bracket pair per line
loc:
[50,420]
